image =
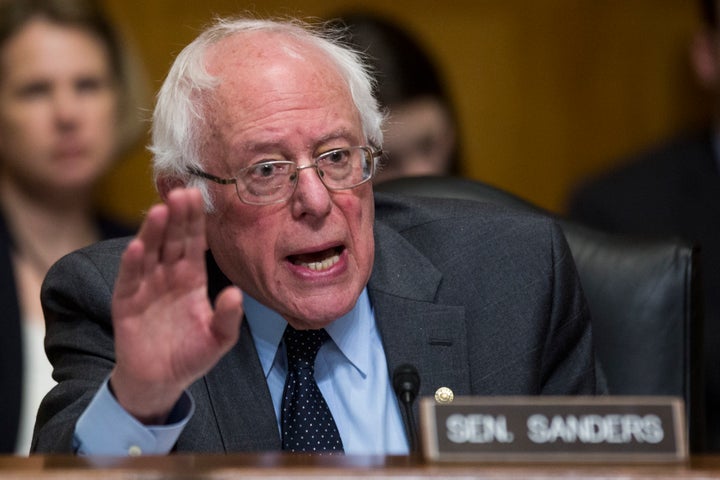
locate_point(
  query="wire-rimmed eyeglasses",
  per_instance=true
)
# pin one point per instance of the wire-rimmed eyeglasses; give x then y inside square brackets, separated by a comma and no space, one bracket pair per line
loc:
[274,181]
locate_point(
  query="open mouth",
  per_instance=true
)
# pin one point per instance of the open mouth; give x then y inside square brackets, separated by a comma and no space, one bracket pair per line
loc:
[318,261]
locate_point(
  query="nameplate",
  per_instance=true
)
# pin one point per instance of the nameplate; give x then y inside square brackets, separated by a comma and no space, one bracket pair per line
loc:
[554,429]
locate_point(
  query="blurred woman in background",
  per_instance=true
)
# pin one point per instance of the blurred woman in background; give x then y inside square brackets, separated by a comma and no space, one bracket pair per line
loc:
[64,118]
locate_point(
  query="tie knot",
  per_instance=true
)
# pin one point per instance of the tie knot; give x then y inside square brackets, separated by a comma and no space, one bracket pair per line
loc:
[302,346]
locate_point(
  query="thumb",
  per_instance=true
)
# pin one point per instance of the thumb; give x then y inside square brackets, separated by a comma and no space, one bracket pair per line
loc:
[228,315]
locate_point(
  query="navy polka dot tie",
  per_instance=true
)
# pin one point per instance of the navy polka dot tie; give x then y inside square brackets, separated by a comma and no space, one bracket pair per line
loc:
[307,424]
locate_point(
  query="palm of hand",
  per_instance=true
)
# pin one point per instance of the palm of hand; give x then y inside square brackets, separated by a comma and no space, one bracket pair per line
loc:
[166,332]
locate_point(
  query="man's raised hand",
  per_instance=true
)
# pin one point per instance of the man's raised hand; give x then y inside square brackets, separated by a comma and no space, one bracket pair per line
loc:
[167,333]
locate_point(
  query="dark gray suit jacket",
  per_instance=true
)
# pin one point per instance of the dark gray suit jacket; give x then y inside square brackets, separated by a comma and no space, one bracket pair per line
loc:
[481,300]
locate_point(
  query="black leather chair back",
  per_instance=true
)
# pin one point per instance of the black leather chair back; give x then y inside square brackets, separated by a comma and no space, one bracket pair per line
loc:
[643,295]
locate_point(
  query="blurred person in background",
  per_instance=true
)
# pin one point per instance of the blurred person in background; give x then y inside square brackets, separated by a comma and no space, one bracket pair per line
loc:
[421,134]
[674,189]
[65,115]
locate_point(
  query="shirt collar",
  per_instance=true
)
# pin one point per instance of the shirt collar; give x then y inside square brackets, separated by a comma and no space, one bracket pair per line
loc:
[351,332]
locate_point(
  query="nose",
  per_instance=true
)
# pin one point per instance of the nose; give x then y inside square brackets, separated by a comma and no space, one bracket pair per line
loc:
[66,107]
[311,197]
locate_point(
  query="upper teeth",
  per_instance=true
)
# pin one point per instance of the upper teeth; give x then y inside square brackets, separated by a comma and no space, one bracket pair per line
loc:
[323,265]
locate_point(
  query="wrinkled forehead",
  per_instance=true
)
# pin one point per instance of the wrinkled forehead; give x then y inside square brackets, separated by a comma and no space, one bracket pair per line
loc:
[275,89]
[251,56]
[264,75]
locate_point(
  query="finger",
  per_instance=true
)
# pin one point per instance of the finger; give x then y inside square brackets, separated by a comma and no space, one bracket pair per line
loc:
[141,253]
[185,237]
[196,242]
[173,247]
[131,270]
[152,234]
[225,324]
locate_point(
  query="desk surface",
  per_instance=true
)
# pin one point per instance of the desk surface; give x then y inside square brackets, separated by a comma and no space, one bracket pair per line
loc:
[282,466]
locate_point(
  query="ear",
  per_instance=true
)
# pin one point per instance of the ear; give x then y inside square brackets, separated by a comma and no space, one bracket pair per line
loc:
[705,58]
[165,185]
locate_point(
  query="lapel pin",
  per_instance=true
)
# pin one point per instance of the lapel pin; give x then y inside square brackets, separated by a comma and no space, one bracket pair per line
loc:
[444,395]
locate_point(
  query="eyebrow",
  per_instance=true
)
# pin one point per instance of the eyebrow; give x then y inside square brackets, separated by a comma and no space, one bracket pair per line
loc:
[255,147]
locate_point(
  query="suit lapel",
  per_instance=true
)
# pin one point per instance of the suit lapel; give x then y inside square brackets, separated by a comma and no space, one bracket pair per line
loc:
[415,328]
[239,400]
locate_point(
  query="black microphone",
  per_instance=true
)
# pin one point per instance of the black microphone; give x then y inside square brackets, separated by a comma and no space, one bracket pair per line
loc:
[406,383]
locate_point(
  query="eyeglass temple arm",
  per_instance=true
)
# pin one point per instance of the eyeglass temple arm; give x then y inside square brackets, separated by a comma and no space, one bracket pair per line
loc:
[200,173]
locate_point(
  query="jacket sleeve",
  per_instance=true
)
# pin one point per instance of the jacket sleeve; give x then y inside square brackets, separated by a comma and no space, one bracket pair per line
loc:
[568,358]
[76,298]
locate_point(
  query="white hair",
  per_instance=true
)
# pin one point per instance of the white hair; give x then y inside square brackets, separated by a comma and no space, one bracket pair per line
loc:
[179,116]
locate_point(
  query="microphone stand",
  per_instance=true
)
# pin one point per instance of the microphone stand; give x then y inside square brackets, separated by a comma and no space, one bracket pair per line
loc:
[406,383]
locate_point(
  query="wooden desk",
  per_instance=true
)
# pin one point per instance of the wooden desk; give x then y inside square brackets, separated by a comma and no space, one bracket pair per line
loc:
[282,466]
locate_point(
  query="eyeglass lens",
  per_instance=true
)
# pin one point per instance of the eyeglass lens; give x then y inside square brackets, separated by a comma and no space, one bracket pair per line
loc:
[270,182]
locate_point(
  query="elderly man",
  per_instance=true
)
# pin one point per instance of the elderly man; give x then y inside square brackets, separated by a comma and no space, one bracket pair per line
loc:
[270,256]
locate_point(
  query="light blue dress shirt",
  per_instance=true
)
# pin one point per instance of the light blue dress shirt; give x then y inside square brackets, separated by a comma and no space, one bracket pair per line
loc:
[351,372]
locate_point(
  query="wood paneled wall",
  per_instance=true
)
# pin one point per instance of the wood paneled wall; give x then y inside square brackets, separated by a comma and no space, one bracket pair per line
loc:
[548,91]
